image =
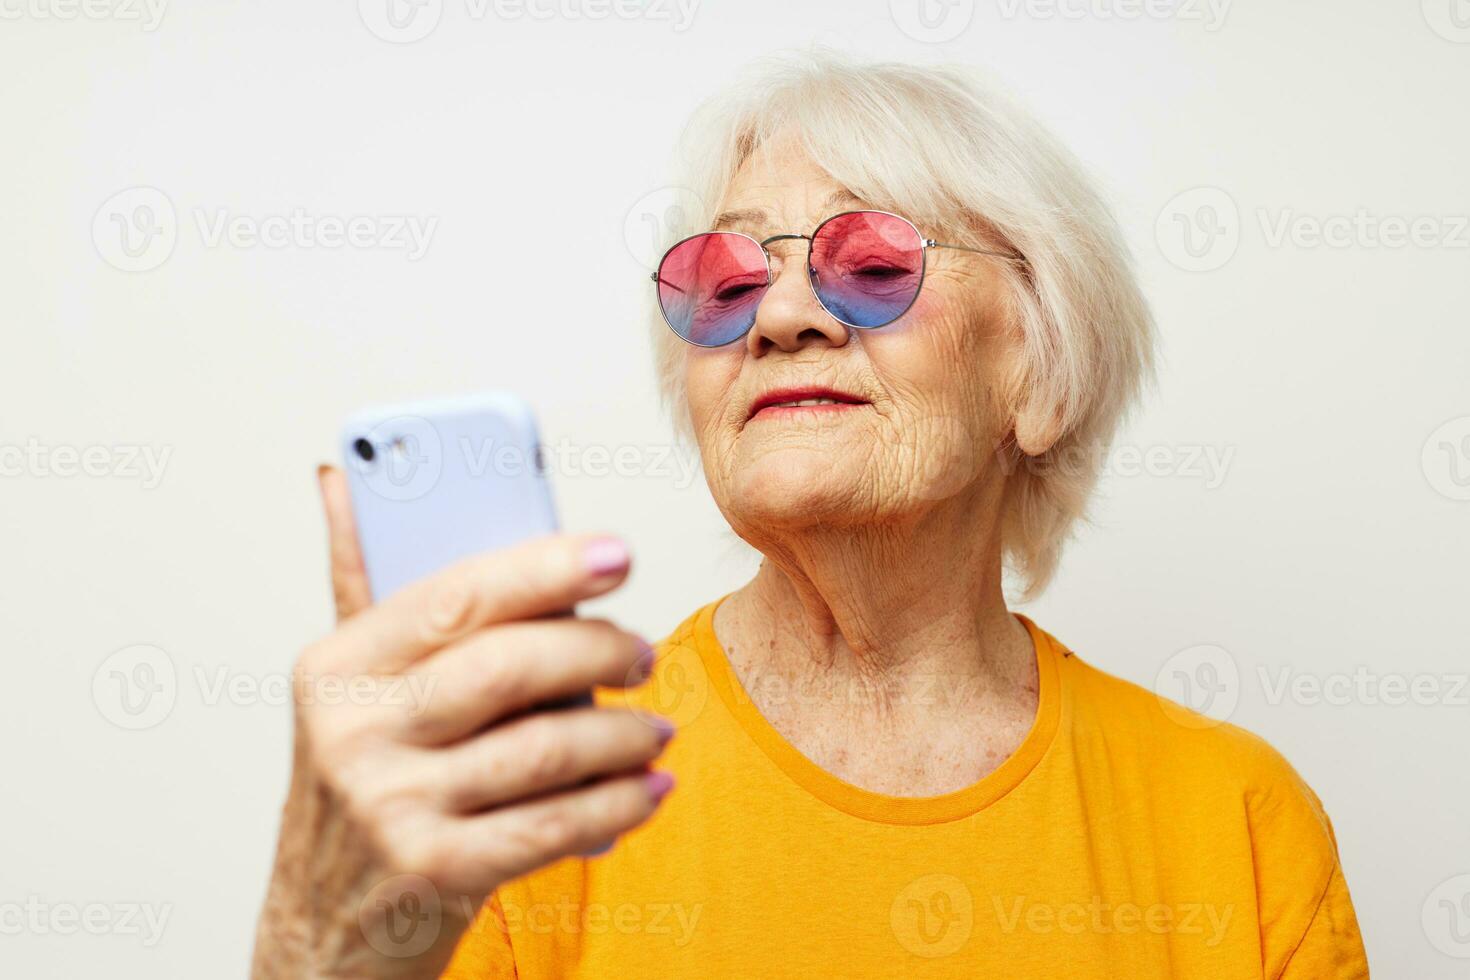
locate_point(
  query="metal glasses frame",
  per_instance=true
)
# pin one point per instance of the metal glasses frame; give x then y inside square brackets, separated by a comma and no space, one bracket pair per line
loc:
[925,244]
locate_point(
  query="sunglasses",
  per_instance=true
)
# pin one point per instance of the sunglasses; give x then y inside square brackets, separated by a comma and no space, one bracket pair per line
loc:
[864,267]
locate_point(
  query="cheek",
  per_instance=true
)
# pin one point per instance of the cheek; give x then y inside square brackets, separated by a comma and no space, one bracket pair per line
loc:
[709,378]
[935,353]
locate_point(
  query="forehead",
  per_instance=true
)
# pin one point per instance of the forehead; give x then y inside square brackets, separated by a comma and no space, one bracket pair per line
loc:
[781,190]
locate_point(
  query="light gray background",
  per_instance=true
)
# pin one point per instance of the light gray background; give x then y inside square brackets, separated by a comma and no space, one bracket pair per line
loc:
[1330,379]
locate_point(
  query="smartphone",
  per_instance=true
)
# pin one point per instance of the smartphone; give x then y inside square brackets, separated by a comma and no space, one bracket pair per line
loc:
[436,481]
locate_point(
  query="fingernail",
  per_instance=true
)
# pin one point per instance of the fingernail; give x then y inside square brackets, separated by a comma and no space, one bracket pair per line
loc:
[662,726]
[659,783]
[646,656]
[321,470]
[605,556]
[601,849]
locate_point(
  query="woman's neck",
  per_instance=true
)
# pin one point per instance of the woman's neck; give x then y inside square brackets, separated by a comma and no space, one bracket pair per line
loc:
[901,629]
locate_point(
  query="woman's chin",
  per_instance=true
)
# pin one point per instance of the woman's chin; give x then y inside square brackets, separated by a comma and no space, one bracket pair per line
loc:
[800,488]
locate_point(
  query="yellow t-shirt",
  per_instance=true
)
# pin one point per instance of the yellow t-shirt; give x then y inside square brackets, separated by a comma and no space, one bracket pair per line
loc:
[1126,838]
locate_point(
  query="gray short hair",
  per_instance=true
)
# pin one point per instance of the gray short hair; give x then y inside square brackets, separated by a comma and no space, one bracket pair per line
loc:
[945,148]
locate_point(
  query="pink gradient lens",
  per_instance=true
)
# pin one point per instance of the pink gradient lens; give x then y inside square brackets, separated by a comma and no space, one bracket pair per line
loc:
[710,285]
[866,267]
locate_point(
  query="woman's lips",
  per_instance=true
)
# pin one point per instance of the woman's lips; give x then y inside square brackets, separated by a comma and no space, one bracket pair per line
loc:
[787,401]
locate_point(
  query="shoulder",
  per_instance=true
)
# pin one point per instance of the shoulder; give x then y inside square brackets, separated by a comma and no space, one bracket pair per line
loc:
[1227,797]
[1108,713]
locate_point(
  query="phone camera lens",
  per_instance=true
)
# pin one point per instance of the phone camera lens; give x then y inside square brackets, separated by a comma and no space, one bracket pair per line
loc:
[365,450]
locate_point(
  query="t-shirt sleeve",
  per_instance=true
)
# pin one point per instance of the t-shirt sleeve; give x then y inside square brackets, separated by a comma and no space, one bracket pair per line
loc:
[484,951]
[1332,947]
[1308,928]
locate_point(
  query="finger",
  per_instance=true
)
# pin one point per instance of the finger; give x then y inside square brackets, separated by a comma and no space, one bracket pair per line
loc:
[535,578]
[350,589]
[547,751]
[497,672]
[513,840]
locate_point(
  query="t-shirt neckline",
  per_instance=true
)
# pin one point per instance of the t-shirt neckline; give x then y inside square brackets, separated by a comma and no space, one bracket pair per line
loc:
[881,807]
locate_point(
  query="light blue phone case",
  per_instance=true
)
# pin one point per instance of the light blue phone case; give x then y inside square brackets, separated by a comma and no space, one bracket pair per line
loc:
[442,480]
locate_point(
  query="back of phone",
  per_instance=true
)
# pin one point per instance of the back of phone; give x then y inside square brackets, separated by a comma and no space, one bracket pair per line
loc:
[438,481]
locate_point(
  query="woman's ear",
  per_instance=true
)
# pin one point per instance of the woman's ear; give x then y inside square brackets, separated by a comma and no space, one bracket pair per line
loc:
[1038,427]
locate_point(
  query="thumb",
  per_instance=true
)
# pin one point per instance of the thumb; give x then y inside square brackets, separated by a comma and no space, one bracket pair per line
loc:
[349,577]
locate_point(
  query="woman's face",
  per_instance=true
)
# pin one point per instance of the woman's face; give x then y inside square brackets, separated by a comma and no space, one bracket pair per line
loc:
[926,412]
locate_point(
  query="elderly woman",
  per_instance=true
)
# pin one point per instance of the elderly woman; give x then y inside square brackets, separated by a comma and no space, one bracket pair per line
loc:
[903,333]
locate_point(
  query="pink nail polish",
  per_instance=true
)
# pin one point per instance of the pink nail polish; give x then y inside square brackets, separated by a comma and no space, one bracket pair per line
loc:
[644,667]
[604,556]
[659,783]
[664,727]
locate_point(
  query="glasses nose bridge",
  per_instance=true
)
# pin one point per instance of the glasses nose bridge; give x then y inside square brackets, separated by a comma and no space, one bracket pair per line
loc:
[766,243]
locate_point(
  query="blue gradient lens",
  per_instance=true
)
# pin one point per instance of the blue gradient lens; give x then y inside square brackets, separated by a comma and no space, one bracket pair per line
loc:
[866,267]
[710,285]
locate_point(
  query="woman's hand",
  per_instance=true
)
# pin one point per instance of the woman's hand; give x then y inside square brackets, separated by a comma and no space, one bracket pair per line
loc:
[421,781]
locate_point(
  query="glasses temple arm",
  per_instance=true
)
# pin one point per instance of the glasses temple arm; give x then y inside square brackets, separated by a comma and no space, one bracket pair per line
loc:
[931,243]
[664,282]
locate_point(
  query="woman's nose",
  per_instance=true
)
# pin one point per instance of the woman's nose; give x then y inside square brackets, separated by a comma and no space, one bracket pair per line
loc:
[789,316]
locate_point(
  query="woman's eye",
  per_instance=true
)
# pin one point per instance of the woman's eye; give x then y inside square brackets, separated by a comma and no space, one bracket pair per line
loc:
[879,272]
[728,293]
